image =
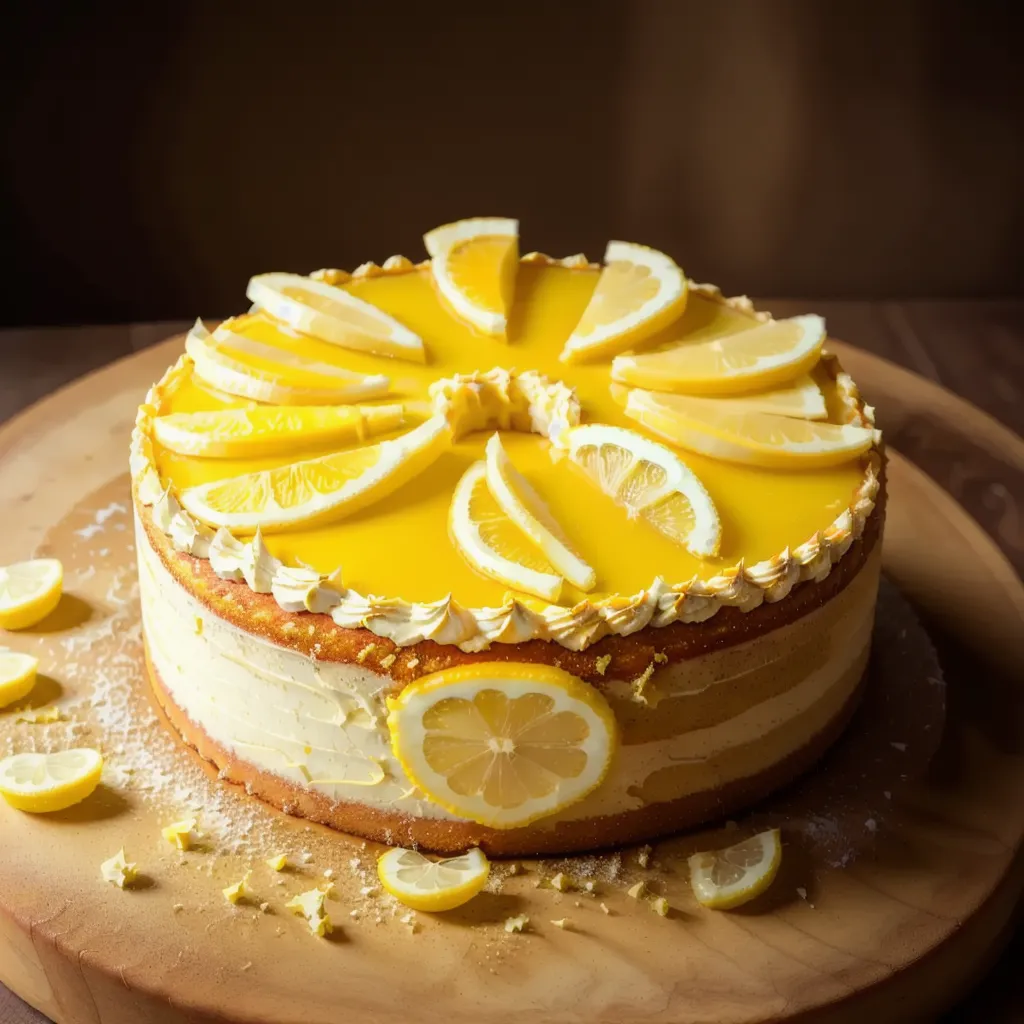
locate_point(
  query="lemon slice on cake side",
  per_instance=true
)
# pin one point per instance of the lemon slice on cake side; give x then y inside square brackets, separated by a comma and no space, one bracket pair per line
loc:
[332,314]
[321,489]
[721,431]
[41,783]
[269,430]
[17,676]
[640,292]
[492,543]
[525,507]
[432,885]
[503,744]
[29,591]
[473,263]
[650,482]
[723,879]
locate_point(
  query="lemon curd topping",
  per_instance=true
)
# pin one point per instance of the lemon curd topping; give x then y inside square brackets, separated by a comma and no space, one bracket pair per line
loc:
[399,547]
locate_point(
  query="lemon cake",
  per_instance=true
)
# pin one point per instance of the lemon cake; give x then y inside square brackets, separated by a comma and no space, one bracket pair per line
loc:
[526,554]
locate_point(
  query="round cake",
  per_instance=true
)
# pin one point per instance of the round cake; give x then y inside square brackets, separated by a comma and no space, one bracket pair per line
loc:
[527,554]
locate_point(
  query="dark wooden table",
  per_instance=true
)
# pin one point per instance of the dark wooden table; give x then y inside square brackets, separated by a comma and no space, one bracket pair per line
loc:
[974,349]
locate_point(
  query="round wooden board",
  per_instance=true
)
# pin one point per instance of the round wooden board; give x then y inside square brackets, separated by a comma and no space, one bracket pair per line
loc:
[897,884]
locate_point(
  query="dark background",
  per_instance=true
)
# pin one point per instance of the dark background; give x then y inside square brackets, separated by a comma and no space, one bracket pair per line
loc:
[156,155]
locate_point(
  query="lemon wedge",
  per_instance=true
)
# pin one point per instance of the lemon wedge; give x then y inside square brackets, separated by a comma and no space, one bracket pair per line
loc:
[29,591]
[651,483]
[718,429]
[525,507]
[503,743]
[752,360]
[269,430]
[17,676]
[640,292]
[723,879]
[474,263]
[318,489]
[432,885]
[492,543]
[49,782]
[332,314]
[246,368]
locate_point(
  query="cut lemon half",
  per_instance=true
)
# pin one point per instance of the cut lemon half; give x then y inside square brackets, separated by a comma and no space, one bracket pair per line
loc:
[650,482]
[640,292]
[752,360]
[268,430]
[17,676]
[525,507]
[492,543]
[720,430]
[41,783]
[474,264]
[29,591]
[432,885]
[332,314]
[319,489]
[723,879]
[246,368]
[503,743]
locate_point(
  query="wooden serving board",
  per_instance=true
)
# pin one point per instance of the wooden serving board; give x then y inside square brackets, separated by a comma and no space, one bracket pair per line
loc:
[901,866]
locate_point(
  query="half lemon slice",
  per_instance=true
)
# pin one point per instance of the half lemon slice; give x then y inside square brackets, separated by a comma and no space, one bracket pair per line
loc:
[29,591]
[332,314]
[723,879]
[474,266]
[246,368]
[503,744]
[752,360]
[41,783]
[319,489]
[432,885]
[525,507]
[720,430]
[17,676]
[650,482]
[492,543]
[640,292]
[268,430]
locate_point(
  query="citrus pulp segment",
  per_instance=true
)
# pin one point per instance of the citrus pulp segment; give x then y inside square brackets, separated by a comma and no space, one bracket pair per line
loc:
[41,783]
[432,885]
[17,676]
[29,591]
[723,879]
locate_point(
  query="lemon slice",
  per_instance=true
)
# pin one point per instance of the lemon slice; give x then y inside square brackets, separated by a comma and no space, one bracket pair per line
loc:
[640,292]
[429,884]
[651,482]
[29,591]
[319,489]
[525,507]
[503,743]
[723,879]
[750,360]
[492,544]
[17,676]
[269,430]
[247,368]
[716,428]
[332,314]
[474,266]
[49,782]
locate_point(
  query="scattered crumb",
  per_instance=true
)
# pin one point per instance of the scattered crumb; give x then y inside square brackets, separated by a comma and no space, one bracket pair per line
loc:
[643,856]
[246,967]
[641,682]
[44,716]
[310,905]
[638,891]
[660,906]
[387,661]
[355,914]
[560,882]
[515,868]
[412,662]
[604,908]
[368,890]
[660,659]
[328,872]
[239,891]
[277,863]
[264,908]
[306,857]
[119,871]
[178,907]
[516,924]
[887,794]
[181,834]
[871,825]
[564,923]
[602,663]
[365,653]
[590,887]
[801,892]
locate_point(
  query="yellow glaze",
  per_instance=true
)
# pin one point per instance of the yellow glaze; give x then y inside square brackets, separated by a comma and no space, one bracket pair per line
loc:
[400,548]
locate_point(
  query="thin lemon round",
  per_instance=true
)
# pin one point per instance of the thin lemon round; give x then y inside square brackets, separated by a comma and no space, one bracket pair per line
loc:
[41,783]
[640,291]
[503,743]
[17,676]
[432,885]
[718,429]
[269,430]
[29,591]
[650,482]
[332,314]
[318,490]
[757,359]
[525,507]
[723,879]
[492,543]
[473,263]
